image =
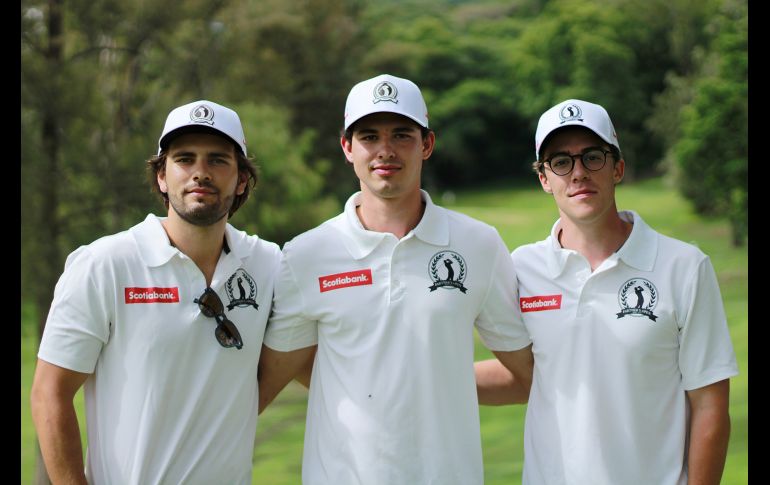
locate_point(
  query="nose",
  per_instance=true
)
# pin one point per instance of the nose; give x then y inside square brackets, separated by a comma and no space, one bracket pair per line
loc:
[385,150]
[579,171]
[201,170]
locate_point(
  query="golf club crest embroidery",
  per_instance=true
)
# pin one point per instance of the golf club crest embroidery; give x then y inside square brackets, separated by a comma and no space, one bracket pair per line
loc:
[385,91]
[447,271]
[570,112]
[638,297]
[202,113]
[242,290]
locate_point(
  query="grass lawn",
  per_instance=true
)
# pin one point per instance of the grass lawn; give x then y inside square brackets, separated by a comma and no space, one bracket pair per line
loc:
[522,215]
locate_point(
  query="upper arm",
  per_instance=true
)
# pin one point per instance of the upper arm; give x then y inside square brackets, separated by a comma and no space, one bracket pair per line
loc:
[78,325]
[54,382]
[276,369]
[521,364]
[289,327]
[499,323]
[711,398]
[706,353]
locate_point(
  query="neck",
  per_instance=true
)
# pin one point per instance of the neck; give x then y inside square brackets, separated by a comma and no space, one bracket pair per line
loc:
[397,216]
[596,240]
[202,244]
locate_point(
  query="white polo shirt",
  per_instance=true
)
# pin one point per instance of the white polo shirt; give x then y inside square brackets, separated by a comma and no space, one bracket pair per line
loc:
[165,402]
[615,350]
[393,394]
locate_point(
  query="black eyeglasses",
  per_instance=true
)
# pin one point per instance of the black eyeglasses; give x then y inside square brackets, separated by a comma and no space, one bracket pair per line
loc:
[226,333]
[563,163]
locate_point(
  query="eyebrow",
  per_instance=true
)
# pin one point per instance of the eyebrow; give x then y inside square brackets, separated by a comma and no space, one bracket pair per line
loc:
[583,151]
[398,129]
[182,153]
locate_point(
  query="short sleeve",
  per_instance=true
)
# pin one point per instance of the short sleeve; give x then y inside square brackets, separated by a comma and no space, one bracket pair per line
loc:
[288,327]
[78,323]
[500,324]
[705,352]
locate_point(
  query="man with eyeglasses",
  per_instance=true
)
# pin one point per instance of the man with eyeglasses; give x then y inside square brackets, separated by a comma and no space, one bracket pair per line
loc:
[162,325]
[389,293]
[632,351]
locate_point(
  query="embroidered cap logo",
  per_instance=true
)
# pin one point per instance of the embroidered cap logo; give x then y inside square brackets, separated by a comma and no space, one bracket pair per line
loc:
[202,114]
[385,91]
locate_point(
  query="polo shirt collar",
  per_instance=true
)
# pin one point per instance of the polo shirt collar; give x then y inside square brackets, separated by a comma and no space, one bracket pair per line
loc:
[641,247]
[639,250]
[433,228]
[155,247]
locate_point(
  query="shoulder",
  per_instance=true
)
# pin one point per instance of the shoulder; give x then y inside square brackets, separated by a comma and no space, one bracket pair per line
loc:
[312,240]
[114,247]
[466,225]
[255,245]
[528,252]
[678,249]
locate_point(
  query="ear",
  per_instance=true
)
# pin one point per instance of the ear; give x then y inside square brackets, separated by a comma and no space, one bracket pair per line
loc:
[347,148]
[544,182]
[162,180]
[243,179]
[428,143]
[618,170]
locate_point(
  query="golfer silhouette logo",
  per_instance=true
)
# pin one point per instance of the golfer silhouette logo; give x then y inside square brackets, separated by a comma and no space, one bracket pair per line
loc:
[242,290]
[452,275]
[385,91]
[570,112]
[646,299]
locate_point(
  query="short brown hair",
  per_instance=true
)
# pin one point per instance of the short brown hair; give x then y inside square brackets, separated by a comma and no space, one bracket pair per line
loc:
[348,134]
[538,165]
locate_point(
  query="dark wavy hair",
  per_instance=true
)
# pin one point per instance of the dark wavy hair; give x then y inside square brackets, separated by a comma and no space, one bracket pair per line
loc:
[157,163]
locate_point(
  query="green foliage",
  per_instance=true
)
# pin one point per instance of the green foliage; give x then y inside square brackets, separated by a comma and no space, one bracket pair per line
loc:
[302,56]
[287,199]
[713,148]
[587,50]
[93,109]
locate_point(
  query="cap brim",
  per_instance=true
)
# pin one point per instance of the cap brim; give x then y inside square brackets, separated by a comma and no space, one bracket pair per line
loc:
[184,130]
[571,125]
[364,115]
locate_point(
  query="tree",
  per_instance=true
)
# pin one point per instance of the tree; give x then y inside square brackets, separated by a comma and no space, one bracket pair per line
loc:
[712,151]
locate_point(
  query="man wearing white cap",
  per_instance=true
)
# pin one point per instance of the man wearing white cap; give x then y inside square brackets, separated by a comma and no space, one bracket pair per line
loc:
[389,293]
[163,324]
[632,352]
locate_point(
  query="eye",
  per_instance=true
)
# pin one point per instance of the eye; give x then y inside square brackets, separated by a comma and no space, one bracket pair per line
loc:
[560,161]
[593,156]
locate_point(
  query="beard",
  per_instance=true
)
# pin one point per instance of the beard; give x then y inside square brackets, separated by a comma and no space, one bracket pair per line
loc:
[202,214]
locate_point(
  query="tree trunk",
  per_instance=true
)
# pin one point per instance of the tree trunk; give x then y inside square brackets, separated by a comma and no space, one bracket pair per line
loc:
[49,225]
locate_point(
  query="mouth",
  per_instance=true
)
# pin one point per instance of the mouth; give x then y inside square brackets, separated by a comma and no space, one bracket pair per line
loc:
[386,169]
[201,191]
[582,193]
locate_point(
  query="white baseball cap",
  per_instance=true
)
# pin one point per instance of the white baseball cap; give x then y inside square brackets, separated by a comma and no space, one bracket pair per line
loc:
[574,112]
[203,114]
[386,93]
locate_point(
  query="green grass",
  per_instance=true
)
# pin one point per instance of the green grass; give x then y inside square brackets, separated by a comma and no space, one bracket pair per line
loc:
[522,215]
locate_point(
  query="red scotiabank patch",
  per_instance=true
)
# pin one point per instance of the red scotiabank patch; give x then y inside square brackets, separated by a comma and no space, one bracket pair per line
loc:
[344,280]
[540,303]
[152,295]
